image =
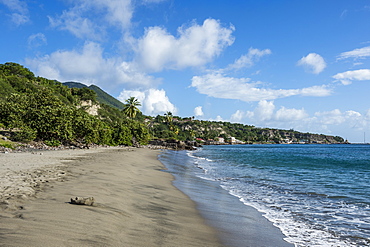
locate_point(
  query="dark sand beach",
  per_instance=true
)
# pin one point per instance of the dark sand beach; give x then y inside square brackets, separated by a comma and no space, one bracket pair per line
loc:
[135,202]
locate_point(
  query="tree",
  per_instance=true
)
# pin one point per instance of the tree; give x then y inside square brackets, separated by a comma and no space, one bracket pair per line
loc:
[176,130]
[169,117]
[192,134]
[84,94]
[16,70]
[130,108]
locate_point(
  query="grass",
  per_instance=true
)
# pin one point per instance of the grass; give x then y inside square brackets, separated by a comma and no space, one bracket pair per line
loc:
[8,144]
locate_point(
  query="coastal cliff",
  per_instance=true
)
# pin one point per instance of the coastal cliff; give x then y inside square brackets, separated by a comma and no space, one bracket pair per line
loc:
[50,112]
[213,133]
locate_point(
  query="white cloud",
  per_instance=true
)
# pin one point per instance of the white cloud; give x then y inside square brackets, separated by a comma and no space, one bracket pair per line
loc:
[356,53]
[73,22]
[336,117]
[198,111]
[288,115]
[90,19]
[217,119]
[219,86]
[355,75]
[19,19]
[36,40]
[89,66]
[15,5]
[329,122]
[316,91]
[119,12]
[313,62]
[152,1]
[367,114]
[195,45]
[153,101]
[20,13]
[126,94]
[237,116]
[264,111]
[248,59]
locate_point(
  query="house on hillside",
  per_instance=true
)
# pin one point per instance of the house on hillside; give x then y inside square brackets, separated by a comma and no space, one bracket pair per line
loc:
[233,140]
[221,139]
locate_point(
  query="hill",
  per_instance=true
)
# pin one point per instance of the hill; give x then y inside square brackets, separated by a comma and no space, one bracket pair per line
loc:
[209,132]
[38,109]
[101,96]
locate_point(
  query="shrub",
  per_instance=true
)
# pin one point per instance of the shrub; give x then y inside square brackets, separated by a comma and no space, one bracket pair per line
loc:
[25,135]
[52,143]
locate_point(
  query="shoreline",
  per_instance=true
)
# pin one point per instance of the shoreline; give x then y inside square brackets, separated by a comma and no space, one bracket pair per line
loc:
[237,224]
[135,201]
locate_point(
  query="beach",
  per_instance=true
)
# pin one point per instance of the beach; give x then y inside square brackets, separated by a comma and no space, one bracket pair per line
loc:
[135,201]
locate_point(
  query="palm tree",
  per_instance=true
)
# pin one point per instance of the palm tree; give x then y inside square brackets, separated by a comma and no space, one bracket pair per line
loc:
[169,120]
[130,108]
[169,117]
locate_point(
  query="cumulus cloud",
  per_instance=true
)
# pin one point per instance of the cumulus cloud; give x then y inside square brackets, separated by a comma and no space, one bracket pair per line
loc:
[219,86]
[89,19]
[195,45]
[266,114]
[313,62]
[20,13]
[88,65]
[264,111]
[217,119]
[287,115]
[336,117]
[198,111]
[153,101]
[237,116]
[347,77]
[356,53]
[249,59]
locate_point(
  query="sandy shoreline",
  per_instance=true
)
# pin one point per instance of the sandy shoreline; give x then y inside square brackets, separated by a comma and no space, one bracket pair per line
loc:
[136,204]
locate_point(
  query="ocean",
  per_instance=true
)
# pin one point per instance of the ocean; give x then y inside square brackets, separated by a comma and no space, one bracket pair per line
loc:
[315,195]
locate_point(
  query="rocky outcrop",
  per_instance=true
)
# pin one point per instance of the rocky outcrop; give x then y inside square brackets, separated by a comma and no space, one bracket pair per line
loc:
[89,107]
[281,136]
[174,144]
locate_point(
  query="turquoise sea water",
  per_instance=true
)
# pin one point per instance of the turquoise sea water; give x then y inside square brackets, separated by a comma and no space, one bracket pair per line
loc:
[317,195]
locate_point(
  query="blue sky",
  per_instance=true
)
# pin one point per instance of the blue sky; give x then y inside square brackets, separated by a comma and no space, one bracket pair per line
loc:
[302,65]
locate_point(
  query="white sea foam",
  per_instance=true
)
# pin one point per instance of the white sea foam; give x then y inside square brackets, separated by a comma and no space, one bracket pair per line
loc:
[297,233]
[309,212]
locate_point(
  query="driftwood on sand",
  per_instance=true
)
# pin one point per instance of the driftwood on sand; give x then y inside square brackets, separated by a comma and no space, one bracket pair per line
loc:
[89,201]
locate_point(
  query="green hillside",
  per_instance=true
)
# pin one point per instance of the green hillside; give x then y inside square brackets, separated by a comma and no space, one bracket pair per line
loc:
[38,109]
[101,96]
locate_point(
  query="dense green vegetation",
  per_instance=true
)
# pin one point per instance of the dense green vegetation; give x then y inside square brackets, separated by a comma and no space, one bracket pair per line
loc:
[174,127]
[37,109]
[101,96]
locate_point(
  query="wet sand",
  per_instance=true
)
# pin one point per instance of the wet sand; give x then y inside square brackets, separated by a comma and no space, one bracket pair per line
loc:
[135,201]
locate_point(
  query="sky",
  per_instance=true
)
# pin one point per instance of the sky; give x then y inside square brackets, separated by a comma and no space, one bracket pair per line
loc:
[287,64]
